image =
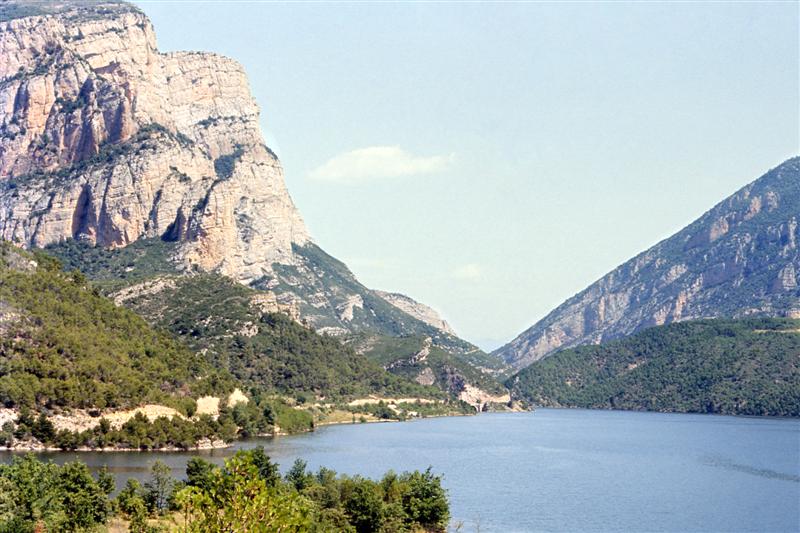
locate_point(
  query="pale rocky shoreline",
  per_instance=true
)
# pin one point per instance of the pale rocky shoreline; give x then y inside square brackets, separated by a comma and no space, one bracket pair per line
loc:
[81,420]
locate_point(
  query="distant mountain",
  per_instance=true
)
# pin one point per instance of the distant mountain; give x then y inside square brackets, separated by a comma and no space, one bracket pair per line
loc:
[739,259]
[745,367]
[108,142]
[417,310]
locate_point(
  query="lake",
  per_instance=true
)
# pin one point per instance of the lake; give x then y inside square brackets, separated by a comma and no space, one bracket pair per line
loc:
[561,470]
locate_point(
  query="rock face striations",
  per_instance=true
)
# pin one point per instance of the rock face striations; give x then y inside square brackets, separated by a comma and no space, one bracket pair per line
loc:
[739,259]
[105,139]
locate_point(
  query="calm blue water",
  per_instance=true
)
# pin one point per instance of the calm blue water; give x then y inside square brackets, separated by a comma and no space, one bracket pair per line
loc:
[564,470]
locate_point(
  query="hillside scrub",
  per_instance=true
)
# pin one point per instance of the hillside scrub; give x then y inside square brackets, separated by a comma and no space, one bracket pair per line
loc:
[743,367]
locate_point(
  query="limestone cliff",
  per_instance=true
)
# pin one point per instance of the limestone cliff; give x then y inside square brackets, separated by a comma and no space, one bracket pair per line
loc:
[739,259]
[104,138]
[417,310]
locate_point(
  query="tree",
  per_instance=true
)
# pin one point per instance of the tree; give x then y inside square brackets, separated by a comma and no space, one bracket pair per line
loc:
[198,473]
[49,497]
[159,487]
[267,470]
[84,501]
[297,476]
[237,498]
[425,501]
[363,505]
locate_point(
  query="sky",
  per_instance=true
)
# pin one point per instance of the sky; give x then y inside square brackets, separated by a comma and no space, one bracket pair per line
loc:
[493,159]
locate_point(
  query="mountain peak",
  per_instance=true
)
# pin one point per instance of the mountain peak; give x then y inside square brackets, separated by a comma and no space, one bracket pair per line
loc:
[739,259]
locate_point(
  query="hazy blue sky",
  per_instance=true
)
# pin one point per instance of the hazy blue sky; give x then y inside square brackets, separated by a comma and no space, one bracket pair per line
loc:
[492,160]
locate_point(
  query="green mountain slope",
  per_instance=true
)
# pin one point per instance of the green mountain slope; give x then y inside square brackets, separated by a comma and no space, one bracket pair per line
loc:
[64,345]
[237,331]
[416,358]
[330,298]
[268,350]
[747,366]
[232,325]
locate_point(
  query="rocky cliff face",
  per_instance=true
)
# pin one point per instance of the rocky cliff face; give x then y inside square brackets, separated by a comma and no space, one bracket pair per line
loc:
[739,259]
[418,310]
[105,139]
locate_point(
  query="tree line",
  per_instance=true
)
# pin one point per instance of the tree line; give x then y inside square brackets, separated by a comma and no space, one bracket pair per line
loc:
[247,493]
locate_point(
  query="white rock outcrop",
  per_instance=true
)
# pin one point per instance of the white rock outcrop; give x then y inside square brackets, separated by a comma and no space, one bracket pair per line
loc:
[418,310]
[104,138]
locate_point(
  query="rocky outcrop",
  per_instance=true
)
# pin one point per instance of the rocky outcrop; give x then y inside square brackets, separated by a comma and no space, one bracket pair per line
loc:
[739,259]
[104,138]
[482,400]
[419,311]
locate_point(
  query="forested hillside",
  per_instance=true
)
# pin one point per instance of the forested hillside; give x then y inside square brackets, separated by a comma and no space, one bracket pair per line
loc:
[62,344]
[218,317]
[747,367]
[238,329]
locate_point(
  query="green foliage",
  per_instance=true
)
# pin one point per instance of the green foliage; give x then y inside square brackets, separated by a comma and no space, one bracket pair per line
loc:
[224,165]
[246,494]
[159,487]
[11,11]
[198,472]
[291,420]
[138,433]
[277,354]
[241,497]
[298,477]
[84,9]
[70,347]
[362,504]
[413,501]
[119,267]
[281,356]
[449,371]
[746,367]
[38,495]
[237,498]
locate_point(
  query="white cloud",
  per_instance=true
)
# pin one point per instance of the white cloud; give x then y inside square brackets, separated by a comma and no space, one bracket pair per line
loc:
[470,271]
[376,162]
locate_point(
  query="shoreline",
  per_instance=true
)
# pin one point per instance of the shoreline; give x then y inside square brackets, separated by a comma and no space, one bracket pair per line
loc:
[649,411]
[218,445]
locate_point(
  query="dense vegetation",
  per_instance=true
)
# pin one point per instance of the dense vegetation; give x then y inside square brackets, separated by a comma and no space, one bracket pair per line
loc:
[748,367]
[120,267]
[399,356]
[138,433]
[268,350]
[218,317]
[48,358]
[246,494]
[260,416]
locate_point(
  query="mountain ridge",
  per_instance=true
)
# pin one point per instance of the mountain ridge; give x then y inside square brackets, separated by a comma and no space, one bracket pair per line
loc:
[739,258]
